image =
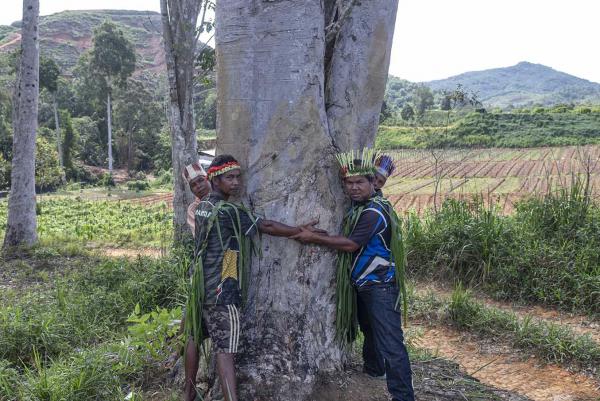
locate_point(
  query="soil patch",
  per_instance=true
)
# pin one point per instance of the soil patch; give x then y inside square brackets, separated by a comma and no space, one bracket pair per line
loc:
[499,366]
[434,380]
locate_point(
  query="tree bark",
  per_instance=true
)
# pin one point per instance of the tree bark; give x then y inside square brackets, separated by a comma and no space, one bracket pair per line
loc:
[179,19]
[109,125]
[21,222]
[357,72]
[61,161]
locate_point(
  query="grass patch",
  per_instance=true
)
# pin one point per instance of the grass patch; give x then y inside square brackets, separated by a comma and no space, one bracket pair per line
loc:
[552,342]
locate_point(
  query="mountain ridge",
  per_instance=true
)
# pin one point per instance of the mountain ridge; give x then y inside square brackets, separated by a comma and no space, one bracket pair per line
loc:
[64,36]
[523,84]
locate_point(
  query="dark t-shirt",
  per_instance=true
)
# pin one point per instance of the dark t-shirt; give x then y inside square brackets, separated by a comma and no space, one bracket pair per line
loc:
[220,253]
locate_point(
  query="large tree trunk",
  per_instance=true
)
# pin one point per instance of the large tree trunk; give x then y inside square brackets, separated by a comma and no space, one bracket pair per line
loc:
[109,125]
[179,18]
[21,223]
[272,116]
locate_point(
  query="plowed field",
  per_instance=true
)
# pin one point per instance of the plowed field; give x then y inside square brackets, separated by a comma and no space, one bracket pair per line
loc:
[424,178]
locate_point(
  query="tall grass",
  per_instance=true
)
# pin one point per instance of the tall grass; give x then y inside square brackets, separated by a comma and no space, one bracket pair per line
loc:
[88,306]
[546,252]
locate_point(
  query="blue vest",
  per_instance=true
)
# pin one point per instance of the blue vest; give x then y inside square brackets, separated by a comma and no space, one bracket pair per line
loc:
[373,263]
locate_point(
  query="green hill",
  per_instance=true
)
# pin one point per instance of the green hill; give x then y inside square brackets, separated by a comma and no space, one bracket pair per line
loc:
[522,85]
[66,35]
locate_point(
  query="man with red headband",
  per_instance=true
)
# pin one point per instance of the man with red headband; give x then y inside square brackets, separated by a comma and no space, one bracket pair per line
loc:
[223,232]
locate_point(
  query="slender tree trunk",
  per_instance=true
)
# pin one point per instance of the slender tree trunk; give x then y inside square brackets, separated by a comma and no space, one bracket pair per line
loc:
[21,223]
[57,129]
[129,152]
[179,19]
[109,125]
[274,65]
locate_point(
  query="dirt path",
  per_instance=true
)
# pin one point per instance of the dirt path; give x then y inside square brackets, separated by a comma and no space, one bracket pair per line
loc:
[154,199]
[501,367]
[11,42]
[577,323]
[130,253]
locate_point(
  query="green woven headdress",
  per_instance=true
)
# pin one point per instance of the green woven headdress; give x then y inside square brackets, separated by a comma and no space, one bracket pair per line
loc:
[355,163]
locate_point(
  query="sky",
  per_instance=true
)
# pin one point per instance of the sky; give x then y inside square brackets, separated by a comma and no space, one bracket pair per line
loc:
[435,39]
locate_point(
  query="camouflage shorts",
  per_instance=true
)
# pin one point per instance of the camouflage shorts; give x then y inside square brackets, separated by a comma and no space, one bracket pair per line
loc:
[223,325]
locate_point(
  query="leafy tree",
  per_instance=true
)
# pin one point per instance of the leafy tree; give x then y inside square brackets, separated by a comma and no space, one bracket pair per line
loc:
[69,142]
[407,113]
[423,100]
[88,147]
[206,110]
[139,119]
[48,173]
[385,113]
[112,60]
[446,103]
[49,73]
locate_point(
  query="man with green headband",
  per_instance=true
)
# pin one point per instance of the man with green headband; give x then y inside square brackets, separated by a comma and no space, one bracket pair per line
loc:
[370,274]
[223,248]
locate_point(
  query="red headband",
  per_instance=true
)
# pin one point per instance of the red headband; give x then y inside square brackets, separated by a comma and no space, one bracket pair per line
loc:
[222,169]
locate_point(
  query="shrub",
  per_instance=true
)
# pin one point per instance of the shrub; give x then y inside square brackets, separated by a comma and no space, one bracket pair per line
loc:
[107,180]
[138,185]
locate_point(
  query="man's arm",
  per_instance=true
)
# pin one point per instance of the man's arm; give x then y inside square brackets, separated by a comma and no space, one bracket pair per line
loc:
[278,229]
[338,242]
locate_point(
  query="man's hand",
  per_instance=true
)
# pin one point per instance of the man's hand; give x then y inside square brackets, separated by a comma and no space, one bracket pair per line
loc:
[304,236]
[310,226]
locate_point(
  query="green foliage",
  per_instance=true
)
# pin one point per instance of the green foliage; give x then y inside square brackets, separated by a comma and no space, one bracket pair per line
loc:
[423,99]
[107,180]
[407,112]
[68,144]
[66,332]
[546,252]
[517,129]
[5,168]
[114,222]
[49,73]
[48,173]
[165,178]
[399,92]
[138,185]
[112,56]
[206,110]
[149,331]
[89,148]
[87,306]
[138,119]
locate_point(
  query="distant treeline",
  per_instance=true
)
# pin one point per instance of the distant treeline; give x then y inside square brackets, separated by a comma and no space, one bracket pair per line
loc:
[561,125]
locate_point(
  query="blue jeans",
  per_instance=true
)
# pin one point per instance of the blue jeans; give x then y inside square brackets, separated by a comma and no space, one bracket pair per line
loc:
[376,310]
